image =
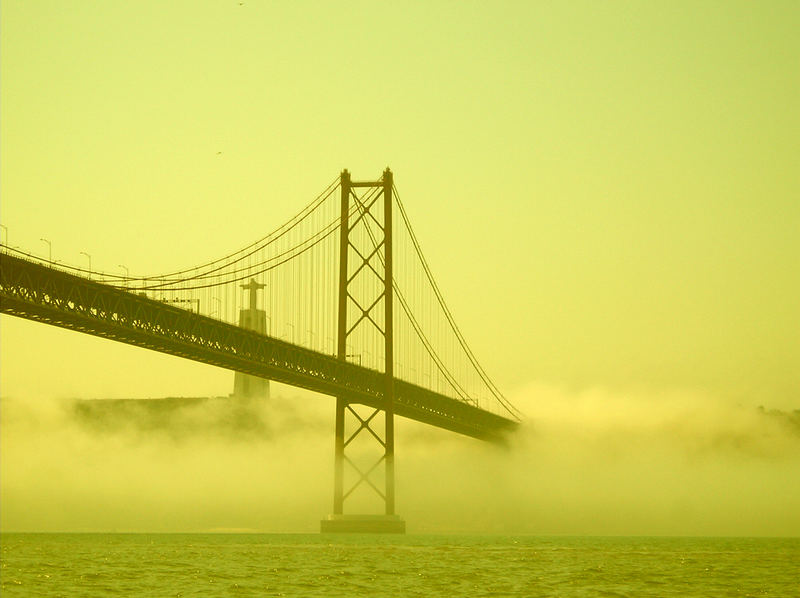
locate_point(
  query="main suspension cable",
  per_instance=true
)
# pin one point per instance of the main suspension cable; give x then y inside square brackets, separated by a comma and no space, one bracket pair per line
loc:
[462,341]
[407,310]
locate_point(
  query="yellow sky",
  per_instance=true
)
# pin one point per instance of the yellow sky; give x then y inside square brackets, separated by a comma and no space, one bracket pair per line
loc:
[607,192]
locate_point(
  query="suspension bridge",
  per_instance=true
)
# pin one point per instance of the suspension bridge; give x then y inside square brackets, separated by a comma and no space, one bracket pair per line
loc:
[350,309]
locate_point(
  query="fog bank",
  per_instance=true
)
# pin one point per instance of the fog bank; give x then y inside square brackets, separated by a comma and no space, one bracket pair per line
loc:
[589,462]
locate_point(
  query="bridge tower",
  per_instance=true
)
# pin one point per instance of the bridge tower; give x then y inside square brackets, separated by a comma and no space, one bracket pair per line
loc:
[380,214]
[244,385]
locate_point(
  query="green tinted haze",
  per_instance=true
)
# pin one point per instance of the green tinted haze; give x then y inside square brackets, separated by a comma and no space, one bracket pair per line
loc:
[607,192]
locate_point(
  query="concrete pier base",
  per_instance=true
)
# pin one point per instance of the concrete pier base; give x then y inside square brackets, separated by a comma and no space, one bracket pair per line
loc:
[363,524]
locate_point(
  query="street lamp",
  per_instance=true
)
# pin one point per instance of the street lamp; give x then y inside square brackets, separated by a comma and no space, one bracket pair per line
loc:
[127,274]
[90,262]
[5,228]
[49,250]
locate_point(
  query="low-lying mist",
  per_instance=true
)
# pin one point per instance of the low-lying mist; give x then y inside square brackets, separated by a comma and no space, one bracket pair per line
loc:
[593,462]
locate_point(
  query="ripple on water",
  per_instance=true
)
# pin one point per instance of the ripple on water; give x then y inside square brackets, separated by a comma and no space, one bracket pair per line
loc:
[431,566]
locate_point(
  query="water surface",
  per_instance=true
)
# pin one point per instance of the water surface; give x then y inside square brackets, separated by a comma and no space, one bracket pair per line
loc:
[316,565]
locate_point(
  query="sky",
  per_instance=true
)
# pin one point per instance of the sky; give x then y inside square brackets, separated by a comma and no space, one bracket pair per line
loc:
[607,193]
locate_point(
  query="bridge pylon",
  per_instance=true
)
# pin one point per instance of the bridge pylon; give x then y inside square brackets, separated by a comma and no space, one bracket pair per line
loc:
[371,210]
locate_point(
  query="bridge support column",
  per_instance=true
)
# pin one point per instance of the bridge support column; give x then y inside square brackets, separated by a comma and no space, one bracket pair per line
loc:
[388,521]
[388,295]
[338,472]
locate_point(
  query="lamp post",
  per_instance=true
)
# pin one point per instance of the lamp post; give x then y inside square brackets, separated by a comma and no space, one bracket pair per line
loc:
[5,228]
[90,262]
[49,250]
[127,273]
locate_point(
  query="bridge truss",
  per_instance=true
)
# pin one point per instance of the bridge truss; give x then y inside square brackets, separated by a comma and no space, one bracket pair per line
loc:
[307,280]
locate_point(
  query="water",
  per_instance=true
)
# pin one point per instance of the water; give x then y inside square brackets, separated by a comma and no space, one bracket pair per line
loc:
[314,565]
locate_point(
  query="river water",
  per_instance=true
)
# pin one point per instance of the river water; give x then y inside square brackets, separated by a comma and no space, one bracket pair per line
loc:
[318,565]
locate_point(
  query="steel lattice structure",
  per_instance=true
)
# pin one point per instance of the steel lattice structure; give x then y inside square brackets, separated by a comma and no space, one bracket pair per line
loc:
[37,292]
[364,315]
[162,313]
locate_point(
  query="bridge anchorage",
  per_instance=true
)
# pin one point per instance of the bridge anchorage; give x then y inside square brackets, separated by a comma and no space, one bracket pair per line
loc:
[329,325]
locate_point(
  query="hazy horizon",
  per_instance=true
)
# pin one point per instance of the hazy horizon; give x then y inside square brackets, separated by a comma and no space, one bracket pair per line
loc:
[608,195]
[592,463]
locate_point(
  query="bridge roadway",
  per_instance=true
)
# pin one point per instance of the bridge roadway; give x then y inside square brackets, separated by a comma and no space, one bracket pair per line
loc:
[37,292]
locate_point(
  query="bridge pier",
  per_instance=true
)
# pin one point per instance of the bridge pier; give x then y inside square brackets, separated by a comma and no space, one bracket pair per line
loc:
[363,524]
[389,521]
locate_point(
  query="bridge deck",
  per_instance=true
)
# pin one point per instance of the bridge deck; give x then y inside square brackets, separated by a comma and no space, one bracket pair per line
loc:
[34,291]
